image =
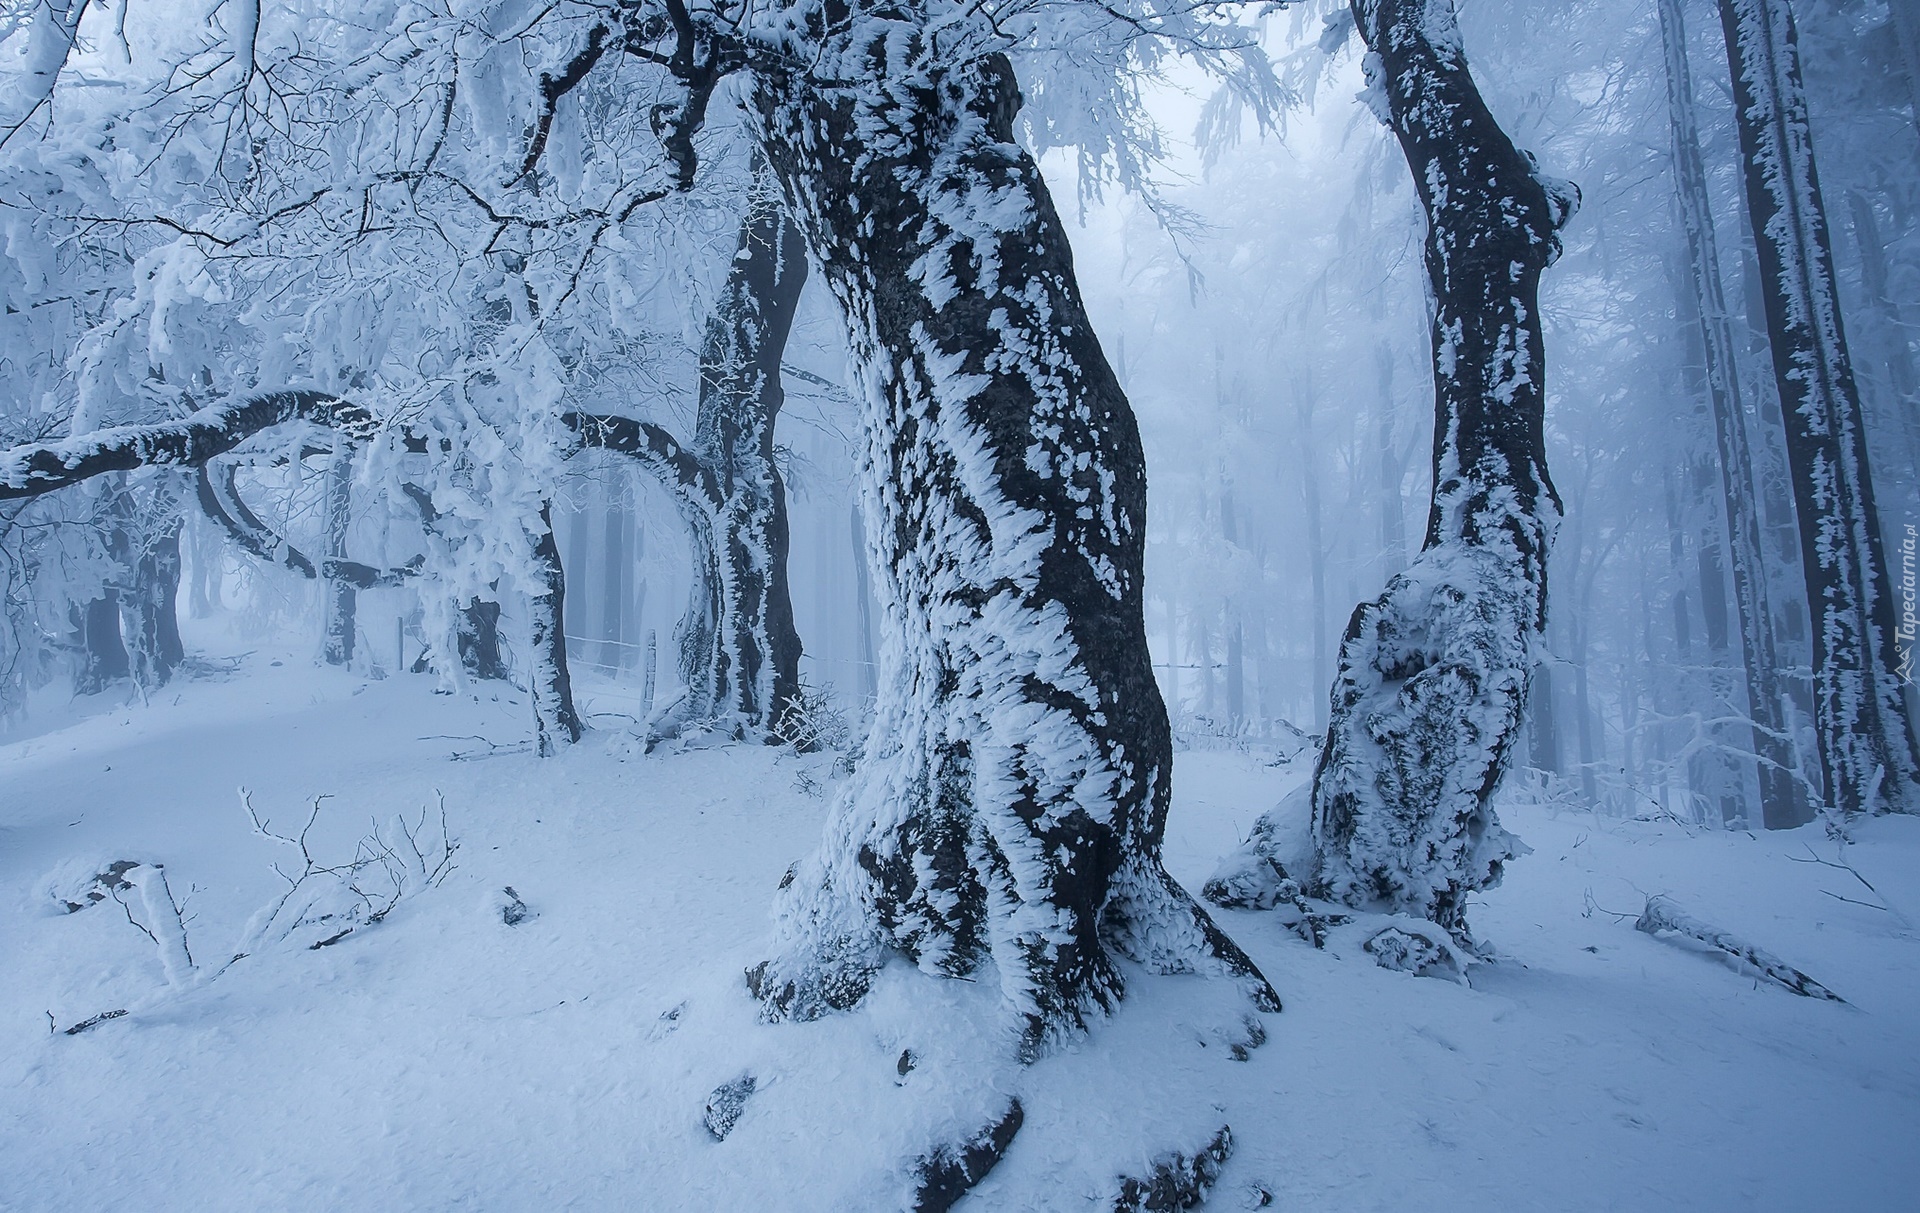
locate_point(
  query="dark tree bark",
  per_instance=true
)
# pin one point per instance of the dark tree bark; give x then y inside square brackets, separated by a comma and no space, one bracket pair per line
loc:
[1432,687]
[739,652]
[478,640]
[1866,743]
[1013,795]
[1782,802]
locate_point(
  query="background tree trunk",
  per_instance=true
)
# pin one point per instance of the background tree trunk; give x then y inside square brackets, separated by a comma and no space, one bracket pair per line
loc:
[1013,795]
[739,652]
[757,655]
[339,599]
[1432,686]
[1783,803]
[1865,741]
[550,686]
[149,610]
[103,656]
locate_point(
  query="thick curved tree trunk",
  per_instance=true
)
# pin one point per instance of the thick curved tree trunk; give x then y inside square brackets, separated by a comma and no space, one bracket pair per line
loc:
[1432,685]
[1009,809]
[1866,742]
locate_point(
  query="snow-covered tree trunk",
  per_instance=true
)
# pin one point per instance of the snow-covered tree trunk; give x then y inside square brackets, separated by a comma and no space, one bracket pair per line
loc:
[1432,685]
[756,655]
[149,610]
[1782,802]
[339,600]
[739,652]
[1008,812]
[1866,743]
[555,722]
[102,654]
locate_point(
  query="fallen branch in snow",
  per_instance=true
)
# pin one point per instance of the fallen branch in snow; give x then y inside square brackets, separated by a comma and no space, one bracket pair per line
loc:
[1662,917]
[493,747]
[338,899]
[364,890]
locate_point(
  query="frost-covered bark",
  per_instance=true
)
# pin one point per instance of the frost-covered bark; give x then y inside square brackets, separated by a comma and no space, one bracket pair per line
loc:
[755,659]
[555,722]
[340,600]
[103,656]
[739,652]
[1866,743]
[1010,805]
[1782,802]
[1432,685]
[149,612]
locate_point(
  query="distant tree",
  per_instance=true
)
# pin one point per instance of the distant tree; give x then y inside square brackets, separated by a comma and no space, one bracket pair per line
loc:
[1865,739]
[1783,803]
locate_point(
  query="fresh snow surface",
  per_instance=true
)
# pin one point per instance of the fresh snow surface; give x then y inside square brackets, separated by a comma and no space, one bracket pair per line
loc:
[441,1059]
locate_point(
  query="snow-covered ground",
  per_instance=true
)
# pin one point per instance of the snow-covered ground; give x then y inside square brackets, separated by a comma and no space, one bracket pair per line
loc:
[441,1059]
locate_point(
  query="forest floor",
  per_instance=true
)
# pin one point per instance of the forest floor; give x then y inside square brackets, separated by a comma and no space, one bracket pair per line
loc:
[441,1059]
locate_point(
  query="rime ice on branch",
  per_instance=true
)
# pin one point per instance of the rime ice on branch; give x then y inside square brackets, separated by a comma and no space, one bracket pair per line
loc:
[1431,690]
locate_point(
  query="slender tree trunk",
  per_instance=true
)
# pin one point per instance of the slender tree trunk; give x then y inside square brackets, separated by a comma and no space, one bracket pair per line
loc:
[1545,733]
[1783,804]
[1906,33]
[576,620]
[1865,741]
[555,723]
[338,595]
[149,610]
[1013,795]
[1432,687]
[103,656]
[1393,525]
[1889,322]
[617,556]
